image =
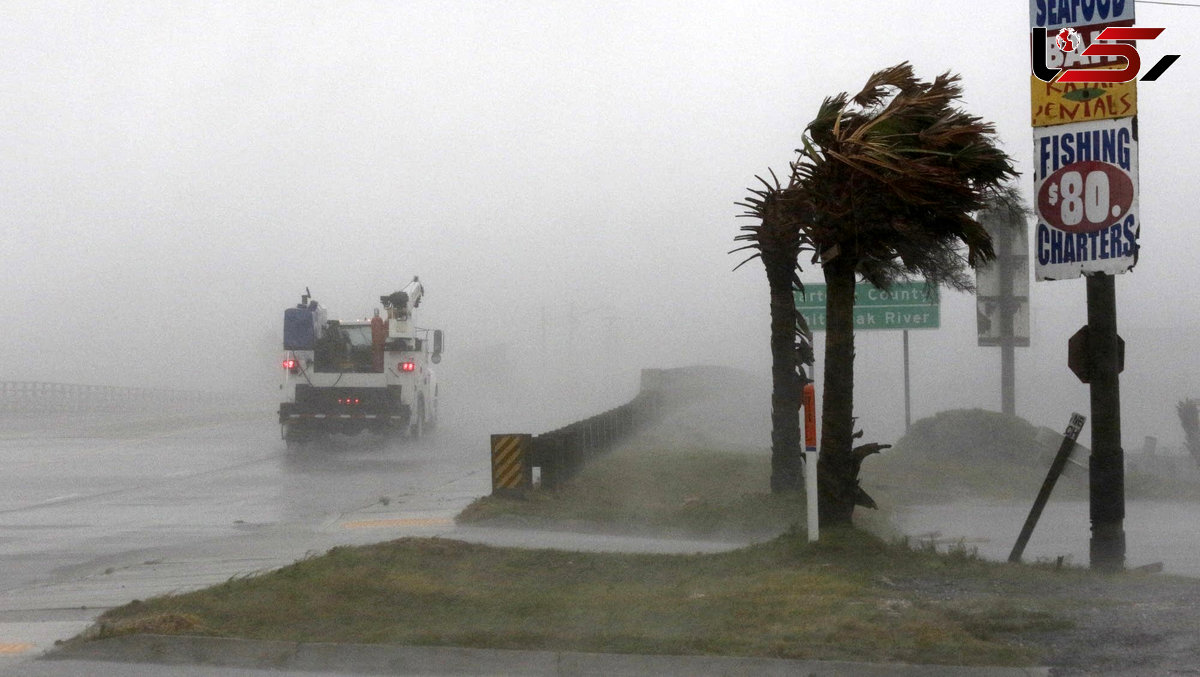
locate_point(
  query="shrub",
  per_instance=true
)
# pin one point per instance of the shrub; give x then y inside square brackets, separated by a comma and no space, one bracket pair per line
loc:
[971,434]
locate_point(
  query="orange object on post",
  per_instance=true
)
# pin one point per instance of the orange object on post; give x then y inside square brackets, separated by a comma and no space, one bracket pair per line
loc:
[809,402]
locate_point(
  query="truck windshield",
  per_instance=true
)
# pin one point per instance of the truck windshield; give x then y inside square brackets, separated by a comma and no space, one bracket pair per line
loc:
[356,335]
[345,348]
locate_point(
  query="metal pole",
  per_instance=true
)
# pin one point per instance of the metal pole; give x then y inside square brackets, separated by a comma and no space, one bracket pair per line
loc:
[1008,390]
[907,400]
[1106,479]
[1008,307]
[810,492]
[1056,468]
[811,457]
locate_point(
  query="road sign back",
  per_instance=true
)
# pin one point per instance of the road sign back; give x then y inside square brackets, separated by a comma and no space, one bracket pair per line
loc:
[1077,355]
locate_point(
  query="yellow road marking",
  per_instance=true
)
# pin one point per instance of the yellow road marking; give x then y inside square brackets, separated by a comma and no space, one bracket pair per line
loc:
[20,647]
[402,522]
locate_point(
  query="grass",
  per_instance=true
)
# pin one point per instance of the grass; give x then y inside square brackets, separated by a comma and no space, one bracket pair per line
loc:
[851,597]
[649,487]
[636,488]
[652,488]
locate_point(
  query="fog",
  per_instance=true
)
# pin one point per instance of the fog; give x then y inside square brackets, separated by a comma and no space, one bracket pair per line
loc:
[560,175]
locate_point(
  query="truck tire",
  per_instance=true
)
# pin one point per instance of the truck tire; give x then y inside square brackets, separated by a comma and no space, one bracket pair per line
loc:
[418,426]
[293,438]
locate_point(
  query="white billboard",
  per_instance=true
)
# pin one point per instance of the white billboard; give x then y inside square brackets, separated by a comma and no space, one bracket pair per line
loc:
[1085,198]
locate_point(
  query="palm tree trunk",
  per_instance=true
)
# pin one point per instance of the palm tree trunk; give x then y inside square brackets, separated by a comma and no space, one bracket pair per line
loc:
[836,472]
[787,465]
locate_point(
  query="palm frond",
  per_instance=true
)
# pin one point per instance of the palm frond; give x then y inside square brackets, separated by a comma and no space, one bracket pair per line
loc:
[894,174]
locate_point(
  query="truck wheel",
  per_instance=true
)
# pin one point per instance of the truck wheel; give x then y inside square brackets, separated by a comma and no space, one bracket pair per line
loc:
[293,438]
[418,426]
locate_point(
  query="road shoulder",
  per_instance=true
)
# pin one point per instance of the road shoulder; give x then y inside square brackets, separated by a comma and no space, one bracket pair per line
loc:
[391,660]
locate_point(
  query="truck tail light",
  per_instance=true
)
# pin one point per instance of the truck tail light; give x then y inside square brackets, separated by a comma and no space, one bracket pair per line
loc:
[290,365]
[408,366]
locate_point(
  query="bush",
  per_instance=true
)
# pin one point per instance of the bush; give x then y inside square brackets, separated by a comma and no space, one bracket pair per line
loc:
[968,434]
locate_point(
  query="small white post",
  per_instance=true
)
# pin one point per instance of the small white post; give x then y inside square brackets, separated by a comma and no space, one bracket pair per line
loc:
[810,489]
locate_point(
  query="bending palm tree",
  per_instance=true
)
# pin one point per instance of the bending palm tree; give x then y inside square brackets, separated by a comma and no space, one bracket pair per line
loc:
[889,180]
[777,239]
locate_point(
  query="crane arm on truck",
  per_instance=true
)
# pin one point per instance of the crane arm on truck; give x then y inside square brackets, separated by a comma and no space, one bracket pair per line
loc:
[402,303]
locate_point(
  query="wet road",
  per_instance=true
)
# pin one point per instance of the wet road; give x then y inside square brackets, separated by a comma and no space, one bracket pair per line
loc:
[95,513]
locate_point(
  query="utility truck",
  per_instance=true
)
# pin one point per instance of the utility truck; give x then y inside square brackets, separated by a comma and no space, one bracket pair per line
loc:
[347,377]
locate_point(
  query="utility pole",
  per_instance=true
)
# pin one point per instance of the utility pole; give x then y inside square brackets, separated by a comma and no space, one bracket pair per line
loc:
[1106,477]
[907,399]
[1008,308]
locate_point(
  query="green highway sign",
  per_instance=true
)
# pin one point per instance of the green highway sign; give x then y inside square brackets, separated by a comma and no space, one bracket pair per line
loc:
[906,305]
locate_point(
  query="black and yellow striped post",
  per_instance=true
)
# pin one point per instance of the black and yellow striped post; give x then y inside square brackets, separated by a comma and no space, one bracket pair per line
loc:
[511,468]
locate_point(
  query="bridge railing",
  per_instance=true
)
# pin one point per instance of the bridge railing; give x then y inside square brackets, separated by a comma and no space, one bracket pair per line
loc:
[32,397]
[560,453]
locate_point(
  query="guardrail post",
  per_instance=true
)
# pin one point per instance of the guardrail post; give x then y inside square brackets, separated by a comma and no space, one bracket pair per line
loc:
[511,468]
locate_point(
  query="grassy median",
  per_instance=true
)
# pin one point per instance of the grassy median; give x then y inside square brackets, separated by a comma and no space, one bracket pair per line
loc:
[852,597]
[650,487]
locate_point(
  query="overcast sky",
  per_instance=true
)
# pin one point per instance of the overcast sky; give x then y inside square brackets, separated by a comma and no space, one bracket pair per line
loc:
[173,174]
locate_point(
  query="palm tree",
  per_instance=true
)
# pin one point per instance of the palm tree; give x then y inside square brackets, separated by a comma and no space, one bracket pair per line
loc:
[890,179]
[777,239]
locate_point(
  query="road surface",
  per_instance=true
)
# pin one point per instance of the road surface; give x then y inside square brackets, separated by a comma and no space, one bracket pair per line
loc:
[100,511]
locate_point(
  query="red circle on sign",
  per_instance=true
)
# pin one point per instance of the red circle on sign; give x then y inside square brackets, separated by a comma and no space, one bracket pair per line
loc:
[1085,197]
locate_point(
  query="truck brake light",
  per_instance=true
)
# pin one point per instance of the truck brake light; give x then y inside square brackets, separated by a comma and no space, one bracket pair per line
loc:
[408,366]
[289,364]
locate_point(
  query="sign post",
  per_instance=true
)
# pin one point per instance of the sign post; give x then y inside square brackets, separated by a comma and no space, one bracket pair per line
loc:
[811,454]
[1056,469]
[1002,297]
[1106,470]
[907,394]
[1085,149]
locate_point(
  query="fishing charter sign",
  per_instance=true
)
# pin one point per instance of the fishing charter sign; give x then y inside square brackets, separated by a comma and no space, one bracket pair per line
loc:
[1086,198]
[1085,135]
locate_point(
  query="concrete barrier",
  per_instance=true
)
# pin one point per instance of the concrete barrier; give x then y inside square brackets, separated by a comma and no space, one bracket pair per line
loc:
[34,397]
